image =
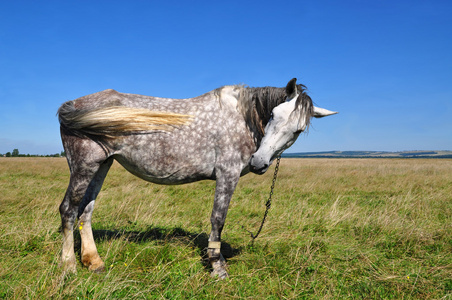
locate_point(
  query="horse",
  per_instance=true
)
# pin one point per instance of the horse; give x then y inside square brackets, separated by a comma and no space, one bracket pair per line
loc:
[220,135]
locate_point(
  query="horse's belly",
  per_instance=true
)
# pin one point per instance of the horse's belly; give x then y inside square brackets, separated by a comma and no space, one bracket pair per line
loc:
[162,170]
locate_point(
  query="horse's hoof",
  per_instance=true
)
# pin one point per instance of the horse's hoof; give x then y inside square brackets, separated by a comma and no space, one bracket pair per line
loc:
[221,274]
[99,268]
[219,269]
[71,270]
[69,266]
[94,263]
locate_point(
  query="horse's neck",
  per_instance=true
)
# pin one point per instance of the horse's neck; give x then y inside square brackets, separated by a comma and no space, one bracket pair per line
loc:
[230,96]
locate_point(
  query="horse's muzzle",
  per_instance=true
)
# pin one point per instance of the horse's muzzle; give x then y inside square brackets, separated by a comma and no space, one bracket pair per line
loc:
[258,166]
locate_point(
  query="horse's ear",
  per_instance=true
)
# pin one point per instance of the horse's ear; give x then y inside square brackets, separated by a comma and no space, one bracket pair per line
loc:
[291,88]
[321,112]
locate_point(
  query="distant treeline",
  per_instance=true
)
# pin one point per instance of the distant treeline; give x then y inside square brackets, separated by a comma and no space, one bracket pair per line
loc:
[371,154]
[15,153]
[290,155]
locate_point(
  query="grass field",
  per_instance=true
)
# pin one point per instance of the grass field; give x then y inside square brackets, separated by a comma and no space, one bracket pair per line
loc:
[338,229]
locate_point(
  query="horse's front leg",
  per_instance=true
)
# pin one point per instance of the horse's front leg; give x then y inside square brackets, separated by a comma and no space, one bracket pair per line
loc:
[226,183]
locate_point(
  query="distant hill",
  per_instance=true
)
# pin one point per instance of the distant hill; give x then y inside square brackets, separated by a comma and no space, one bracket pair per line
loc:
[371,154]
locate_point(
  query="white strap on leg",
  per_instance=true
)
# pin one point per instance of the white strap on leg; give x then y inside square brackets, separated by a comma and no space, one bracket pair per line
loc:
[214,245]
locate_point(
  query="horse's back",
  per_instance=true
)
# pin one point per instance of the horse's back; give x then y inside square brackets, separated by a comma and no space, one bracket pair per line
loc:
[215,133]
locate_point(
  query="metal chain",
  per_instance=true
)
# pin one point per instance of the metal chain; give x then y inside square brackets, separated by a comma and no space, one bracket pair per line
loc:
[268,204]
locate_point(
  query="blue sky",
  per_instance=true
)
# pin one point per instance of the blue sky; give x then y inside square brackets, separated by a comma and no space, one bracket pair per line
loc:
[386,66]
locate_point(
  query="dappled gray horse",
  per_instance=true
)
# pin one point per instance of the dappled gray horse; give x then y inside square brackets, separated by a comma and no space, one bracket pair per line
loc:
[220,135]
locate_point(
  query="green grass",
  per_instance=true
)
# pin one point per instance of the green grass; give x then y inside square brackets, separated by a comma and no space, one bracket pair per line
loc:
[337,229]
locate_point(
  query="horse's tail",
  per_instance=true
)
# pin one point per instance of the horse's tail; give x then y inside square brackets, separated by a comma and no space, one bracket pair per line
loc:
[114,121]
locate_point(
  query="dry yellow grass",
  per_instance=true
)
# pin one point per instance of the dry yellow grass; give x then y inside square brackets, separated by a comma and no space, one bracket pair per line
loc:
[338,228]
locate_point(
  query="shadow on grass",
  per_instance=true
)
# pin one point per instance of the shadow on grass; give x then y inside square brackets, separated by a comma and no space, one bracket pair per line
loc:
[166,235]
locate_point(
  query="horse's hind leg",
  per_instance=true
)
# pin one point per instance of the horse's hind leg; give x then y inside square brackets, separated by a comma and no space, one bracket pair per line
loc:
[90,258]
[88,162]
[78,185]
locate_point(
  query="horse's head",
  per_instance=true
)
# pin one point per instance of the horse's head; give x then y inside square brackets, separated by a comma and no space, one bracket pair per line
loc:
[288,120]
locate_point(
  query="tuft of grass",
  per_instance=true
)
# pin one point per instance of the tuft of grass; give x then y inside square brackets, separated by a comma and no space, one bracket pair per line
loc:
[337,229]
